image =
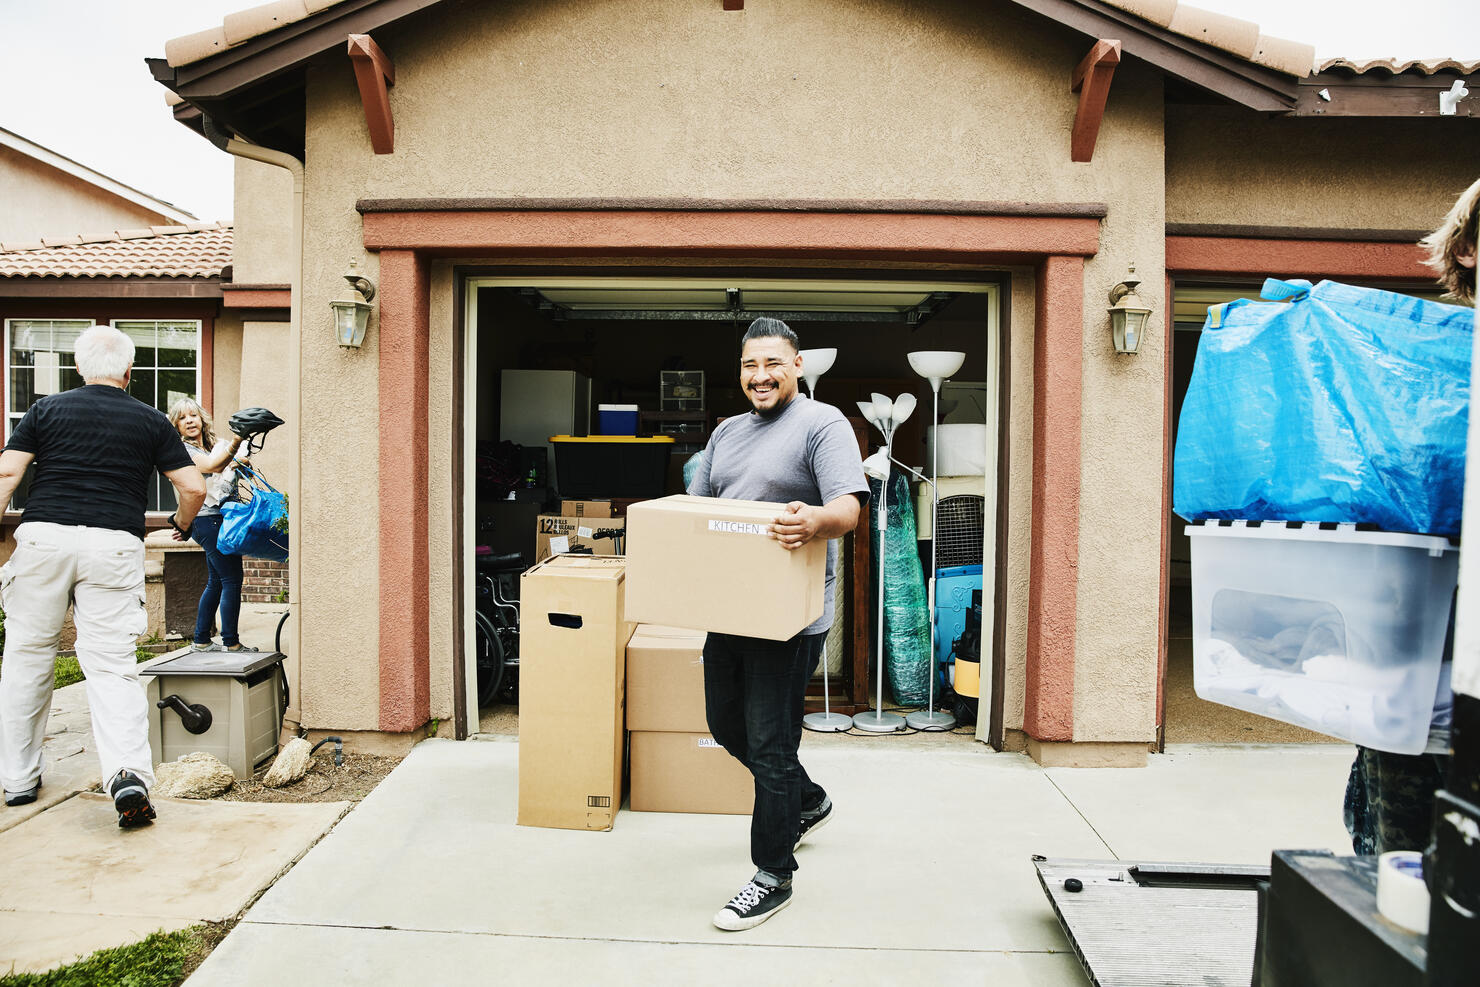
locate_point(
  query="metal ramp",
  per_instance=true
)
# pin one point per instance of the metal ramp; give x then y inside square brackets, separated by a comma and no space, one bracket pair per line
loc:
[1158,924]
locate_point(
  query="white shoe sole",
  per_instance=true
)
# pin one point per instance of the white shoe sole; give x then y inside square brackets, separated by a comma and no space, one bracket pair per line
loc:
[730,922]
[815,827]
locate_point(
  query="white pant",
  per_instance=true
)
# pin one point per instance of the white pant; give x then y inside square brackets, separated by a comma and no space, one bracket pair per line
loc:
[101,572]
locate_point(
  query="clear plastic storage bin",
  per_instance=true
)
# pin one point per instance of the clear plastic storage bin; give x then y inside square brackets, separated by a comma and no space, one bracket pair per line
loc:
[1333,629]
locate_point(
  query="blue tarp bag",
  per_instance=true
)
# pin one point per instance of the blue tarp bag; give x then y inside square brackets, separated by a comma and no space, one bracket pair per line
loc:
[1342,404]
[250,526]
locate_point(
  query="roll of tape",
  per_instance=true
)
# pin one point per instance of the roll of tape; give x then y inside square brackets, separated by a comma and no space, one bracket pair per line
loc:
[1402,897]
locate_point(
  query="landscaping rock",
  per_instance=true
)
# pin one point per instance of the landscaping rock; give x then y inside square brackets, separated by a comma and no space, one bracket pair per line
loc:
[291,764]
[194,776]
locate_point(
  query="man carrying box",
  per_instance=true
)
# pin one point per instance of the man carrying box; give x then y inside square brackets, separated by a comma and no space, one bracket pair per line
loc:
[801,453]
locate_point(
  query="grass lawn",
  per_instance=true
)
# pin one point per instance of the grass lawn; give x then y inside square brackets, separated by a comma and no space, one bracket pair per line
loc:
[164,959]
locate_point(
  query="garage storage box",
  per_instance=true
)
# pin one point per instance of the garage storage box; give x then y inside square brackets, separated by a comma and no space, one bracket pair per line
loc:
[1333,629]
[561,534]
[225,703]
[572,660]
[609,466]
[711,565]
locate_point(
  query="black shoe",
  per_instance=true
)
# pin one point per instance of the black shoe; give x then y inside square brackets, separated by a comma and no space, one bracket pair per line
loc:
[752,905]
[131,799]
[814,820]
[25,797]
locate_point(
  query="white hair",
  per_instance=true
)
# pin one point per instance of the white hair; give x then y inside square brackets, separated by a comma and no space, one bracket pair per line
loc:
[104,353]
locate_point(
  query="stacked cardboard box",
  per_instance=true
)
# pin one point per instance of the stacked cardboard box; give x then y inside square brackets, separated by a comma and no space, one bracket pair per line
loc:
[573,643]
[676,765]
[559,534]
[712,564]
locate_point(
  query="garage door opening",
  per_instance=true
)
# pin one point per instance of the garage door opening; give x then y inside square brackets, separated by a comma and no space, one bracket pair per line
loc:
[544,354]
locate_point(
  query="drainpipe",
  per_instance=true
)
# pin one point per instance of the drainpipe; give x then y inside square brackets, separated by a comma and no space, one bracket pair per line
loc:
[293,716]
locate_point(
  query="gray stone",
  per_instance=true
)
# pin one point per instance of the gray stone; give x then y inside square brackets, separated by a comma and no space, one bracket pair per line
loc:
[193,776]
[291,764]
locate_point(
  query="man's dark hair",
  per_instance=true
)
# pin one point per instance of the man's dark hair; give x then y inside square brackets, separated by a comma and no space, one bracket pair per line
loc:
[764,327]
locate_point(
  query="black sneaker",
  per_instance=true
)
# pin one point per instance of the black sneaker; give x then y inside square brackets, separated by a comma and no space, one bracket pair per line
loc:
[131,799]
[25,797]
[752,905]
[814,820]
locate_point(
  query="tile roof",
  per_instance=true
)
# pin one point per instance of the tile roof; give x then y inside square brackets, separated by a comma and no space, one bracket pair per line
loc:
[1230,34]
[200,250]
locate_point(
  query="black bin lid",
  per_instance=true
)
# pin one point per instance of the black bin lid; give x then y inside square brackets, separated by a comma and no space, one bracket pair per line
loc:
[232,663]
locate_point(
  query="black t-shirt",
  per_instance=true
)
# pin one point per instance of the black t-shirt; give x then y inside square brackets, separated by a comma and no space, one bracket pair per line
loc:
[96,450]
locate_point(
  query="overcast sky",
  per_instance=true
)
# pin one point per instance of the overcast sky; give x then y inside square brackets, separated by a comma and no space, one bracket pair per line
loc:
[72,75]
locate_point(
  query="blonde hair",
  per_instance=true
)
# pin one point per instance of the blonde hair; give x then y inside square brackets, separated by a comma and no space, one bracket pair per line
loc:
[183,407]
[1455,238]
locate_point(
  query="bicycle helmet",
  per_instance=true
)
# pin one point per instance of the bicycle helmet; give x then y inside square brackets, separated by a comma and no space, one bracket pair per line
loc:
[253,421]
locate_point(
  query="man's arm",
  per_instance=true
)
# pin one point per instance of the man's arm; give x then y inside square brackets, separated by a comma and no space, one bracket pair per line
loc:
[801,523]
[190,491]
[13,465]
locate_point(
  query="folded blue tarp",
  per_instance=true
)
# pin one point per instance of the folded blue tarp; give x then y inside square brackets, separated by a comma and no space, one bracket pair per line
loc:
[1341,404]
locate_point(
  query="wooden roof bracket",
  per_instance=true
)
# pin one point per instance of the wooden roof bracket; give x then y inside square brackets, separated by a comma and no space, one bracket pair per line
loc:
[1091,80]
[734,4]
[374,74]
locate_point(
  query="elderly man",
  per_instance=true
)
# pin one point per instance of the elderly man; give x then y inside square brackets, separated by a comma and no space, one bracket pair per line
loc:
[801,453]
[81,541]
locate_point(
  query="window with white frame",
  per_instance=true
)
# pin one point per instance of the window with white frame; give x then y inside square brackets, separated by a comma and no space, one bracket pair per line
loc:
[41,359]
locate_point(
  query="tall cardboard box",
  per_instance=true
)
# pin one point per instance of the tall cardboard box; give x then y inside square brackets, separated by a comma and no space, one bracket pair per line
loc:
[676,765]
[711,564]
[572,665]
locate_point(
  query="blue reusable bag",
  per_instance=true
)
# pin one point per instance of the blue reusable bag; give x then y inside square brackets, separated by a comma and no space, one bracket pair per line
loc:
[1345,404]
[249,526]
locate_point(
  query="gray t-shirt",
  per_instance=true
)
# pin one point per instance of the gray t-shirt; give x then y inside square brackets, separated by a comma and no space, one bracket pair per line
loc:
[807,452]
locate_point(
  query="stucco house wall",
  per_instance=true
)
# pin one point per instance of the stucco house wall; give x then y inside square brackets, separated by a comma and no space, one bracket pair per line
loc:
[816,101]
[1229,167]
[37,200]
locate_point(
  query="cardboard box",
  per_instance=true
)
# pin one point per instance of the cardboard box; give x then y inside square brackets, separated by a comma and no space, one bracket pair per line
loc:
[586,508]
[665,680]
[687,772]
[573,644]
[557,534]
[712,565]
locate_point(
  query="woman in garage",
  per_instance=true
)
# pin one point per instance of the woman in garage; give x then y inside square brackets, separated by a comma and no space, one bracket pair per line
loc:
[217,460]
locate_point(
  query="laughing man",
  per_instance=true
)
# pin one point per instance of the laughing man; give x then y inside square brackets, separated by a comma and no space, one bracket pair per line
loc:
[800,453]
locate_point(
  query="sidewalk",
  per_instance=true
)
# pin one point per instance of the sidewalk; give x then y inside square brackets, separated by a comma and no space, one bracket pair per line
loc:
[924,875]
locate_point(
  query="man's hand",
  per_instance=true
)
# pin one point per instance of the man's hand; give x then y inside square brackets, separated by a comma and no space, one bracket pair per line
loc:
[799,525]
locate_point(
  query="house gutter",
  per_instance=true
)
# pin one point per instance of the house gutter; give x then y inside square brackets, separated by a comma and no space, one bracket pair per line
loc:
[293,715]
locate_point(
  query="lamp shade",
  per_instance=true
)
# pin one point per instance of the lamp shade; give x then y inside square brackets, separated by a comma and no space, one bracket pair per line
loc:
[904,406]
[815,363]
[936,365]
[883,408]
[877,465]
[867,410]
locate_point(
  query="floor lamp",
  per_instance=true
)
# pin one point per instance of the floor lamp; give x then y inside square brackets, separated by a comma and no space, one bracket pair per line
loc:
[935,366]
[884,415]
[815,363]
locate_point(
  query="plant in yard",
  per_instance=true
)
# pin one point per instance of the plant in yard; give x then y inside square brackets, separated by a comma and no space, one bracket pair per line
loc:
[163,959]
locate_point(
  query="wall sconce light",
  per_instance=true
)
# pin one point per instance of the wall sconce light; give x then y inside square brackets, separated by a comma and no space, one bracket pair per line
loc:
[351,316]
[1129,315]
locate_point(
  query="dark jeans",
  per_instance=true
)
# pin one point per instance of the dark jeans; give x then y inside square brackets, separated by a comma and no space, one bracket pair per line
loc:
[223,584]
[753,694]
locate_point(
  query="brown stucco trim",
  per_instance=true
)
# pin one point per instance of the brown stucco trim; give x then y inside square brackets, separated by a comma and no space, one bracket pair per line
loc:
[405,633]
[1165,581]
[51,287]
[235,296]
[924,238]
[1306,258]
[1053,566]
[1293,233]
[1079,210]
